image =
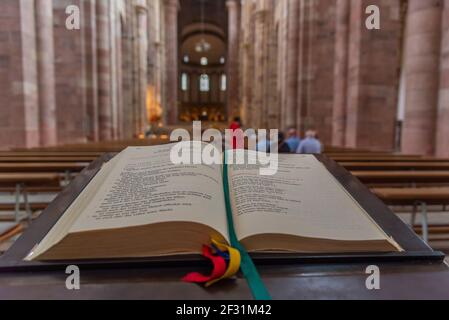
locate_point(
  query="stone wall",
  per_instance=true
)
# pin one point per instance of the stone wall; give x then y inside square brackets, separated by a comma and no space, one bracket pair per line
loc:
[373,77]
[19,125]
[300,63]
[61,86]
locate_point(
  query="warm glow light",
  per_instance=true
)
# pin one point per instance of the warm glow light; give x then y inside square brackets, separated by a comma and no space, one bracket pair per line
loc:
[154,109]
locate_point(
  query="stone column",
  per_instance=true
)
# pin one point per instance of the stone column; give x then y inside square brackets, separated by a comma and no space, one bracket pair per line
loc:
[91,69]
[46,72]
[114,75]
[19,126]
[340,72]
[422,60]
[171,8]
[291,95]
[104,70]
[152,58]
[142,33]
[233,57]
[259,62]
[373,77]
[247,64]
[304,68]
[442,143]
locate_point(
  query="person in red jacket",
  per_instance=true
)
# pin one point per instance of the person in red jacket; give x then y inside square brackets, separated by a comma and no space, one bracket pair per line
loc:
[236,125]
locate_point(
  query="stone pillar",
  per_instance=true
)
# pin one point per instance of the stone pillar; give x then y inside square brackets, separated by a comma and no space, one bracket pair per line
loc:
[422,60]
[113,20]
[171,8]
[104,70]
[291,95]
[152,59]
[233,57]
[19,127]
[70,76]
[127,73]
[316,65]
[373,77]
[340,72]
[259,62]
[46,72]
[442,142]
[91,69]
[304,65]
[247,64]
[119,69]
[26,86]
[142,33]
[273,112]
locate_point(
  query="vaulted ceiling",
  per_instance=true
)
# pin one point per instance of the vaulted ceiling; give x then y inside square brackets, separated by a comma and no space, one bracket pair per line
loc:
[214,13]
[203,20]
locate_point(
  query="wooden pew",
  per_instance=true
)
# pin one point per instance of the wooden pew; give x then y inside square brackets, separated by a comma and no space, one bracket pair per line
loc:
[10,232]
[378,168]
[43,166]
[21,182]
[409,196]
[11,207]
[35,189]
[105,146]
[395,166]
[46,159]
[360,154]
[31,153]
[436,229]
[402,176]
[356,158]
[416,197]
[30,179]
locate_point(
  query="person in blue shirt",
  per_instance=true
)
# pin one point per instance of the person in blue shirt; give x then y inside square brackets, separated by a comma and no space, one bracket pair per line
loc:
[310,145]
[293,140]
[263,146]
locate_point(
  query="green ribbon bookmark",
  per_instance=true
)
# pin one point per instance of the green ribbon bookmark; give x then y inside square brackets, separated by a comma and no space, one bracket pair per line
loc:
[255,283]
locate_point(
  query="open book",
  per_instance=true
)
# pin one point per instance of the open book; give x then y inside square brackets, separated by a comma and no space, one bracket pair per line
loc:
[140,204]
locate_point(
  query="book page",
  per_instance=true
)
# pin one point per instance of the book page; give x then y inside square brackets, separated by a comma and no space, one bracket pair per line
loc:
[75,210]
[146,188]
[301,199]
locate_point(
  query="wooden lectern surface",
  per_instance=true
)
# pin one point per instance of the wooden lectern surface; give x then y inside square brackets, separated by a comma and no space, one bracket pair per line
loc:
[418,274]
[336,281]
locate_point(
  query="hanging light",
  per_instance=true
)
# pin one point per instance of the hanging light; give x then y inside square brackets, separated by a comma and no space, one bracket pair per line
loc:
[202,46]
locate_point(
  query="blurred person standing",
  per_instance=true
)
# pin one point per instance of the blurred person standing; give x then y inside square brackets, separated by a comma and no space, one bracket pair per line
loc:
[293,139]
[236,125]
[311,144]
